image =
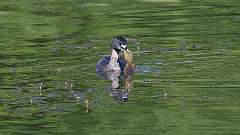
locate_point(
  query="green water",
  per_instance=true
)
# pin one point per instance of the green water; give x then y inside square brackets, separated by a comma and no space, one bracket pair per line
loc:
[187,55]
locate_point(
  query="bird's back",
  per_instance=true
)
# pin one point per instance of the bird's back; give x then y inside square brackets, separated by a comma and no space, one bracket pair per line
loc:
[103,63]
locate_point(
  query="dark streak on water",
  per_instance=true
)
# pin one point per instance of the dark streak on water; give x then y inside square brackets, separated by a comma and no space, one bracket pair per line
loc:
[187,56]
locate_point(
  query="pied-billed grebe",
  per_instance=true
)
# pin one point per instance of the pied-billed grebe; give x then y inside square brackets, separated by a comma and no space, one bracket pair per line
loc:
[113,62]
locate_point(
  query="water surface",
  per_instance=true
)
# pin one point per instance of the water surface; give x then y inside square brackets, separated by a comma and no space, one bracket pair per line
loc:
[187,56]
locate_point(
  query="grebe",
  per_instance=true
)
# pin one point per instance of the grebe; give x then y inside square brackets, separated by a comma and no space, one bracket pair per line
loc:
[113,66]
[113,62]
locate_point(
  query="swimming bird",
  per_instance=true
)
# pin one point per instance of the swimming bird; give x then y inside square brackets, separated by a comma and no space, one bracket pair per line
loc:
[113,66]
[113,62]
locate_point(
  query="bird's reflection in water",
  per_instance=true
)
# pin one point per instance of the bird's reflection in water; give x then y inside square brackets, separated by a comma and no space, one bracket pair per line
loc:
[120,86]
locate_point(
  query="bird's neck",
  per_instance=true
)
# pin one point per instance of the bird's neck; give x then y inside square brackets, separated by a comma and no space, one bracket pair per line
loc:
[114,56]
[113,65]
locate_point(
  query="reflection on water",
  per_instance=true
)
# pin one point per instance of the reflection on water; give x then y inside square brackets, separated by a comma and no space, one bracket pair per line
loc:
[186,80]
[120,86]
